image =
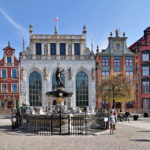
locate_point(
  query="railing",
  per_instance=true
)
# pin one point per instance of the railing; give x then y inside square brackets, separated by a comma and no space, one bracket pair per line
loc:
[56,57]
[59,124]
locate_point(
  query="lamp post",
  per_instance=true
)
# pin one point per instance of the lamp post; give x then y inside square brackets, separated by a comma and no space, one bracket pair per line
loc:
[137,77]
[97,83]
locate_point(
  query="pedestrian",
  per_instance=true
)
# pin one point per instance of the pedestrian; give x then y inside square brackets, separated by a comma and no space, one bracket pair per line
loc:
[127,114]
[112,122]
[115,114]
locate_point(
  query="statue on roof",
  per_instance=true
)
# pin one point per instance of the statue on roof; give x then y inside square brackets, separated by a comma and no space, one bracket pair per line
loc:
[117,32]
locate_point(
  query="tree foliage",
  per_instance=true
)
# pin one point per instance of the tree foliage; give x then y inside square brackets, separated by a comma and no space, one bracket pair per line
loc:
[117,87]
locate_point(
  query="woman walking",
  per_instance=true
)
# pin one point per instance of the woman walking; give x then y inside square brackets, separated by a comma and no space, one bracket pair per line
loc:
[112,120]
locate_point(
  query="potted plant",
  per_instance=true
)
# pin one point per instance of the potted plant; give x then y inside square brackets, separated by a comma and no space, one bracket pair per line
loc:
[135,117]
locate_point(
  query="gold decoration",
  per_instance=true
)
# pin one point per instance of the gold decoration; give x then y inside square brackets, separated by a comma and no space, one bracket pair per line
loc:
[59,99]
[117,33]
[114,46]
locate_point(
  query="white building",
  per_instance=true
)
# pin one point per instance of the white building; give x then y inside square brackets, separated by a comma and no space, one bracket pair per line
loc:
[38,64]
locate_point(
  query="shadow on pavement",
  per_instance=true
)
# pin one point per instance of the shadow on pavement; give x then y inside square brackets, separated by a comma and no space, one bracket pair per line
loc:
[141,140]
[6,129]
[144,131]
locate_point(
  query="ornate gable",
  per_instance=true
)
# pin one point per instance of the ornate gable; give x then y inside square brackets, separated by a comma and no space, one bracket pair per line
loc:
[117,46]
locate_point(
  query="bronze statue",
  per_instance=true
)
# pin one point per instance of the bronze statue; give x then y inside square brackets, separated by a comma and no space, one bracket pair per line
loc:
[59,77]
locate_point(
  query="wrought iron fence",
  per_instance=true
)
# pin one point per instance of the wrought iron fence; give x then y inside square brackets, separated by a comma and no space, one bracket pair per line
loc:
[60,124]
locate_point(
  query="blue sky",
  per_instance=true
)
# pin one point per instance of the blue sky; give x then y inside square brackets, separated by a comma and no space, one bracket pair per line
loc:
[100,16]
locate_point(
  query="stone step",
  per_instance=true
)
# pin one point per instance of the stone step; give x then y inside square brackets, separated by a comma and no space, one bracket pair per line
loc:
[5,111]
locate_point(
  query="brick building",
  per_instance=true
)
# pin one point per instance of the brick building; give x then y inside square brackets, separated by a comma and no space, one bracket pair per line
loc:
[142,46]
[9,79]
[115,59]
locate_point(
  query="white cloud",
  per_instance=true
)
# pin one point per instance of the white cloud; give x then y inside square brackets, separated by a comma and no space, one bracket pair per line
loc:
[20,28]
[2,45]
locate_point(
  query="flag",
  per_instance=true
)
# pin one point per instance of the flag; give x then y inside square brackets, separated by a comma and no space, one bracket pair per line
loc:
[56,19]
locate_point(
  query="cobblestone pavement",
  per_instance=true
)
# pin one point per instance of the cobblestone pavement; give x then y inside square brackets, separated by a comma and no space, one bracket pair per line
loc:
[127,137]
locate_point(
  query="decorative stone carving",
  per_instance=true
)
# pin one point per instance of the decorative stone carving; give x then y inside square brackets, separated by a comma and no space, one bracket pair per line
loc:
[22,73]
[70,49]
[70,73]
[45,73]
[45,48]
[93,74]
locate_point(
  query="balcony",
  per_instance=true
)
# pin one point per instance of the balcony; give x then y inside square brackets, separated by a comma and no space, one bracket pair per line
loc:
[56,57]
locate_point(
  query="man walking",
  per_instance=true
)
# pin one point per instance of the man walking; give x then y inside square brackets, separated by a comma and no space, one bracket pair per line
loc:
[127,114]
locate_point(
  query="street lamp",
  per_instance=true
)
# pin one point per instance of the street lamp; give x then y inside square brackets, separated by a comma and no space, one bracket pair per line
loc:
[137,76]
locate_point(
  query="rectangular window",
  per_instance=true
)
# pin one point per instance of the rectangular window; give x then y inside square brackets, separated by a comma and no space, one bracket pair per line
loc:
[3,104]
[145,57]
[129,62]
[38,49]
[14,87]
[14,73]
[4,73]
[130,75]
[146,103]
[77,48]
[105,62]
[116,72]
[62,49]
[145,70]
[53,48]
[116,62]
[129,104]
[4,87]
[145,86]
[105,74]
[9,60]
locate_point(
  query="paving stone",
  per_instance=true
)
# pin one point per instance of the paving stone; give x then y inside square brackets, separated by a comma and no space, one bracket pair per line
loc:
[126,137]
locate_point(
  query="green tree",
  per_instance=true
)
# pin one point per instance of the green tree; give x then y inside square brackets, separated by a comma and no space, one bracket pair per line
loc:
[117,87]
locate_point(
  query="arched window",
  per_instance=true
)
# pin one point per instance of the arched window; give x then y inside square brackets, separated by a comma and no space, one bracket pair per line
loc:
[81,89]
[35,89]
[54,83]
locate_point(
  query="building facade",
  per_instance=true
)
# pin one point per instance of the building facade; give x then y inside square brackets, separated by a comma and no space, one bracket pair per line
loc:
[115,59]
[9,79]
[142,47]
[38,65]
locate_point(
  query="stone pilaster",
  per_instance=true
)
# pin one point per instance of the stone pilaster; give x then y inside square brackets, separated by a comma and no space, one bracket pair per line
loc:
[57,49]
[48,48]
[123,65]
[111,65]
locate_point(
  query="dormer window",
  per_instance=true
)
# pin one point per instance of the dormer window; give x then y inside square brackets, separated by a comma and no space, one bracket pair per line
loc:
[9,60]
